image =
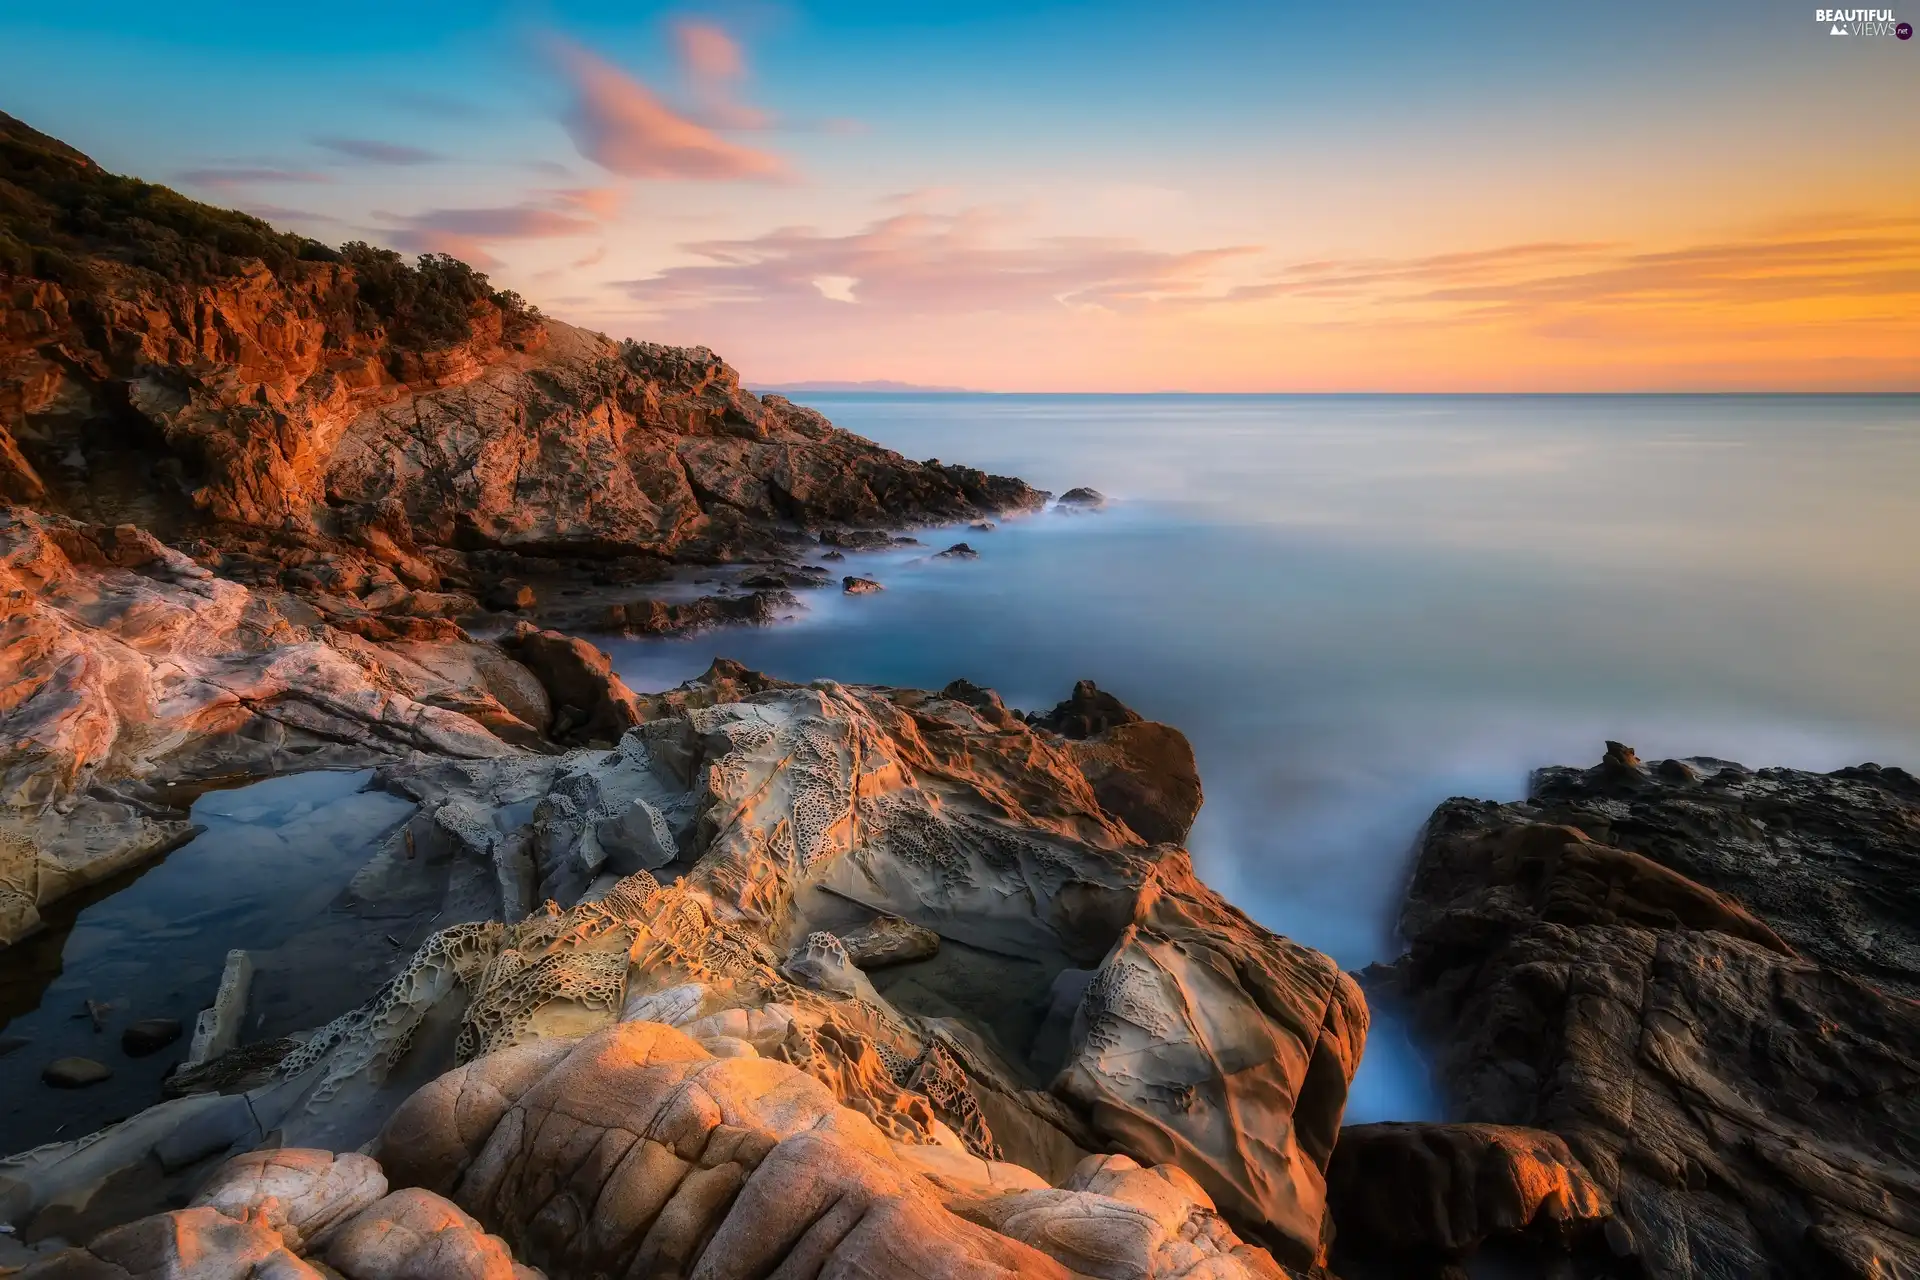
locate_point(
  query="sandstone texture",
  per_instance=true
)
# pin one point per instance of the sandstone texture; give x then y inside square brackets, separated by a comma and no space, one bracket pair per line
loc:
[659,1056]
[1697,975]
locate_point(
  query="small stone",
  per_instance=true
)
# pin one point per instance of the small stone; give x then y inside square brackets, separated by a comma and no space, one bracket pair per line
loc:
[982,526]
[75,1073]
[859,586]
[832,555]
[889,940]
[958,551]
[149,1035]
[1083,499]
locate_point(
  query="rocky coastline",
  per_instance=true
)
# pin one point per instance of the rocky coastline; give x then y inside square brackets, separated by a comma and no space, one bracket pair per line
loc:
[751,977]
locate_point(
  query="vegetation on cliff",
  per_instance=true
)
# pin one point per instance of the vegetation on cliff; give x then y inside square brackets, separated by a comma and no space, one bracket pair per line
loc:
[65,219]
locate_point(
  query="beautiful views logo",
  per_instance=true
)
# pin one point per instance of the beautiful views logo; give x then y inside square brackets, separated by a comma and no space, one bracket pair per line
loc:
[1862,22]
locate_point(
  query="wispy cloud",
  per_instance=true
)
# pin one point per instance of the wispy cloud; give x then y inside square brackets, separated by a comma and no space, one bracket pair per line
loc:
[715,67]
[623,126]
[921,262]
[466,233]
[243,175]
[376,152]
[438,105]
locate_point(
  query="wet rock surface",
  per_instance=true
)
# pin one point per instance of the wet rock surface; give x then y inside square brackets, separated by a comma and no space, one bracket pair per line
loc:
[1652,961]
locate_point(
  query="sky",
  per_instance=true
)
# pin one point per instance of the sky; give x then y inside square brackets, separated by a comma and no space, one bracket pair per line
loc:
[1421,197]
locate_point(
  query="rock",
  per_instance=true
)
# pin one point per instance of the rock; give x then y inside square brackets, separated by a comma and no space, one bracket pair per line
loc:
[1744,1107]
[75,1073]
[1088,712]
[970,824]
[1418,1197]
[1083,499]
[576,675]
[229,1120]
[121,680]
[9,1044]
[982,526]
[1141,770]
[958,551]
[310,1193]
[149,1035]
[832,555]
[724,1166]
[510,597]
[1829,861]
[888,940]
[661,618]
[859,586]
[218,1028]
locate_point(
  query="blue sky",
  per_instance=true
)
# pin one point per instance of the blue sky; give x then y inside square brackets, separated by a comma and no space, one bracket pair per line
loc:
[1062,195]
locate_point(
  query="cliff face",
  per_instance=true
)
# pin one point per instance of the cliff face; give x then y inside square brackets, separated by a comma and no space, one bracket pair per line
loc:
[412,412]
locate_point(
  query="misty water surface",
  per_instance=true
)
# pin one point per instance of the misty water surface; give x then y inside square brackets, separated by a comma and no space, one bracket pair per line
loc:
[1358,606]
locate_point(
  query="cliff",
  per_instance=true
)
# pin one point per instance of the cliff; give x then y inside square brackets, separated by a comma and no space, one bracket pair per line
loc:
[193,371]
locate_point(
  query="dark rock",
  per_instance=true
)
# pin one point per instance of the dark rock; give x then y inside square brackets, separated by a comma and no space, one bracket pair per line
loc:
[983,526]
[958,551]
[211,1129]
[149,1035]
[576,675]
[857,539]
[1618,960]
[1087,712]
[510,597]
[859,586]
[9,1044]
[1083,499]
[75,1073]
[1142,772]
[765,581]
[983,700]
[831,555]
[659,618]
[1830,861]
[1418,1197]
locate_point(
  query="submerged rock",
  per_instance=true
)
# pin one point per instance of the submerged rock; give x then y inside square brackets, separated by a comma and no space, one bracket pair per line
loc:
[859,586]
[1083,499]
[958,551]
[149,1035]
[75,1073]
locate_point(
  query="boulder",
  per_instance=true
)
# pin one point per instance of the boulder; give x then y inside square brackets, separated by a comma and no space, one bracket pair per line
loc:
[1142,771]
[1083,499]
[579,677]
[75,1073]
[1743,1106]
[853,586]
[149,1035]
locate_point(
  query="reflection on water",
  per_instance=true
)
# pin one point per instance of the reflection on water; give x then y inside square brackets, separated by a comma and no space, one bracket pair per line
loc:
[1358,606]
[272,860]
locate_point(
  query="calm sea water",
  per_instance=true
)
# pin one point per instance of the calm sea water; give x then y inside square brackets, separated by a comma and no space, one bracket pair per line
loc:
[1358,606]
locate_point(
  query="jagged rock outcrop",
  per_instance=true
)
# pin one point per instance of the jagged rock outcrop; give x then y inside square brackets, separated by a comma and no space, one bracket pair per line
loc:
[262,381]
[713,858]
[124,666]
[1141,770]
[1748,1108]
[1419,1198]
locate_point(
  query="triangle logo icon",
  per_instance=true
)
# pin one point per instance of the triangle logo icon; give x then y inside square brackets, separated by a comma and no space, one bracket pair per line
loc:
[1838,30]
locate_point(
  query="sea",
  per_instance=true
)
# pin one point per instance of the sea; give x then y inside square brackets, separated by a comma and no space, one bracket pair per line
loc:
[1354,606]
[1358,606]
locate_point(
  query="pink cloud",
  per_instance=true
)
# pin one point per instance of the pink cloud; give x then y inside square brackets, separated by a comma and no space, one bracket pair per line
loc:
[620,124]
[714,64]
[926,263]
